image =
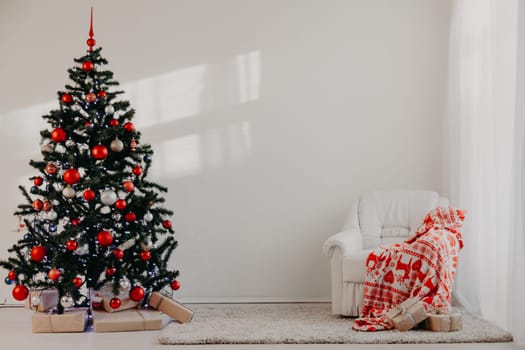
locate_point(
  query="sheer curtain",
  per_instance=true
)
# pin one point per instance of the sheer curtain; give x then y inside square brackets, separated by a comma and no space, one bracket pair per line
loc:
[485,132]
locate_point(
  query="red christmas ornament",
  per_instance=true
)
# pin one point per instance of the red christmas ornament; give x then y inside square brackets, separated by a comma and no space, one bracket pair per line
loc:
[58,135]
[51,168]
[137,170]
[88,124]
[75,222]
[129,127]
[130,217]
[104,238]
[71,245]
[145,255]
[175,285]
[110,271]
[115,303]
[20,292]
[119,254]
[38,204]
[87,66]
[89,195]
[66,98]
[54,274]
[101,94]
[77,282]
[99,152]
[166,224]
[120,204]
[128,186]
[47,205]
[11,275]
[37,253]
[136,293]
[38,181]
[97,305]
[91,97]
[91,42]
[71,176]
[113,122]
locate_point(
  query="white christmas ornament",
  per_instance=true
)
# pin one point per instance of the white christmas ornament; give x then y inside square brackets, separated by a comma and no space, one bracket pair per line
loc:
[68,192]
[60,148]
[105,210]
[116,145]
[108,197]
[148,216]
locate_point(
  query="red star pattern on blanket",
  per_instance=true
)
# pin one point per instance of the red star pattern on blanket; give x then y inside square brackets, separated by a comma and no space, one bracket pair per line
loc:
[422,267]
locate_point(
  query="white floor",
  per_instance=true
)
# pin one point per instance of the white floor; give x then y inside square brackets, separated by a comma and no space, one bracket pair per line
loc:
[15,330]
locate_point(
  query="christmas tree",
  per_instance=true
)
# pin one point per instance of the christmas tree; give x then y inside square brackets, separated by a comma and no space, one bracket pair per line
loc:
[92,217]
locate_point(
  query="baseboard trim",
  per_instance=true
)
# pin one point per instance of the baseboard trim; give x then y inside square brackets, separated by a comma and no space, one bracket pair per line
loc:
[241,300]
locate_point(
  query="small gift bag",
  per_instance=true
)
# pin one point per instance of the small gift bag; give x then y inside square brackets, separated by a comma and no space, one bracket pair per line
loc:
[170,307]
[443,321]
[42,300]
[407,314]
[72,320]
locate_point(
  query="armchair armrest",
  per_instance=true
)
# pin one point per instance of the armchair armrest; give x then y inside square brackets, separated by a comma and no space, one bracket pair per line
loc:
[349,241]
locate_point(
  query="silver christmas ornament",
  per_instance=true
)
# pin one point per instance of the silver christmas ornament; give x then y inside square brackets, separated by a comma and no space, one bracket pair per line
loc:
[52,215]
[47,148]
[108,197]
[68,192]
[36,300]
[60,148]
[116,145]
[148,216]
[67,301]
[105,210]
[82,250]
[109,109]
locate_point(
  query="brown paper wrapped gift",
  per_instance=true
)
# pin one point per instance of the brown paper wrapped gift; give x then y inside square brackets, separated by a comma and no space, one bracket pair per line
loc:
[48,299]
[407,314]
[73,320]
[442,321]
[127,320]
[105,294]
[170,307]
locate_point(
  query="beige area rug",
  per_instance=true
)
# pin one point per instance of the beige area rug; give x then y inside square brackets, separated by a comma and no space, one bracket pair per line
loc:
[306,323]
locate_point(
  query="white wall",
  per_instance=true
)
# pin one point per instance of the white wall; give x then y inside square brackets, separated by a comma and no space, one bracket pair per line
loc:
[267,118]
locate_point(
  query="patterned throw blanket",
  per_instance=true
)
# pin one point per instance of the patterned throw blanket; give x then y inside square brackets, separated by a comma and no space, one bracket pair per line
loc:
[422,267]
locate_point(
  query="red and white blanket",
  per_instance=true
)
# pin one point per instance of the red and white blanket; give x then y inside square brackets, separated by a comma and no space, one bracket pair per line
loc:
[422,267]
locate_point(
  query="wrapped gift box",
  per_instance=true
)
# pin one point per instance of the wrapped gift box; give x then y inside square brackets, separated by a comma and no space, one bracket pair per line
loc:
[105,294]
[442,321]
[127,320]
[73,320]
[170,307]
[407,314]
[48,299]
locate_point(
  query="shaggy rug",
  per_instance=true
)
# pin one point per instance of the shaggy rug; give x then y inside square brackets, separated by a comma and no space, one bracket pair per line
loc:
[306,323]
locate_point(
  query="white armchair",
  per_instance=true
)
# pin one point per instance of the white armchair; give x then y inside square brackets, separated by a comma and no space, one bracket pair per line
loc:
[377,218]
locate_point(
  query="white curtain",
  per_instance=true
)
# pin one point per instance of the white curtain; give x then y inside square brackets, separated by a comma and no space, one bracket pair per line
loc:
[485,133]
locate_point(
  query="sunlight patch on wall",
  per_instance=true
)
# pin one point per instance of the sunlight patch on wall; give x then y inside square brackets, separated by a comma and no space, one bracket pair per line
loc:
[177,157]
[171,96]
[249,73]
